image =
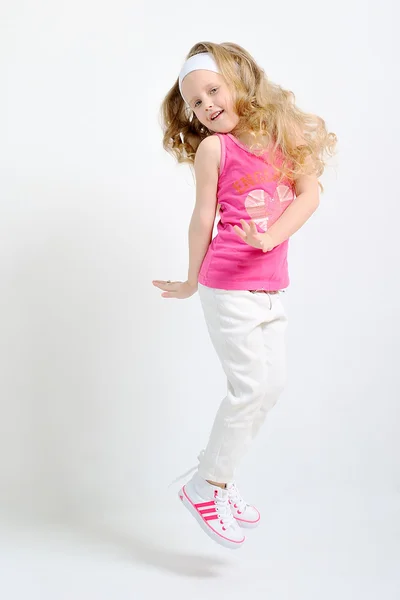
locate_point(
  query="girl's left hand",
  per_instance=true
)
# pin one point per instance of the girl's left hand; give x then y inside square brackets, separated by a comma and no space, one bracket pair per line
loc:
[251,236]
[176,289]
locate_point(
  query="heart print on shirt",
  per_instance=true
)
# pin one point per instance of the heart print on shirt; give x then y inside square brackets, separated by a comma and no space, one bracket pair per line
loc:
[265,209]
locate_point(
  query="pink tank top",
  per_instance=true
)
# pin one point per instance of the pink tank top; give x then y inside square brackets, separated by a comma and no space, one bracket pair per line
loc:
[246,190]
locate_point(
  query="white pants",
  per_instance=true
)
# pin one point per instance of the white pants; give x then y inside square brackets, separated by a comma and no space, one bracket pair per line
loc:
[247,330]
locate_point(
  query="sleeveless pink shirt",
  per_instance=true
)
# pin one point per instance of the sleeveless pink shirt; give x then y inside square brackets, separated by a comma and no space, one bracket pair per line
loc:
[246,190]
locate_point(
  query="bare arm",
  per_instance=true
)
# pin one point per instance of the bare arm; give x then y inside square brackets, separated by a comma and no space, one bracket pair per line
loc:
[299,211]
[290,221]
[201,224]
[302,207]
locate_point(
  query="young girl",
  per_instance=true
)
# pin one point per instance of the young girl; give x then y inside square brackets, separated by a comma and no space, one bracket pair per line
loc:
[257,157]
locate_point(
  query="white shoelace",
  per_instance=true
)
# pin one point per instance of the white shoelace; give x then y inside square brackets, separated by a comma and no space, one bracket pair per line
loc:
[191,470]
[236,498]
[221,501]
[223,509]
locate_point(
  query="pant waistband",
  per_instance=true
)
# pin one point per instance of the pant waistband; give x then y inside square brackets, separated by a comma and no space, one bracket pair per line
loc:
[264,291]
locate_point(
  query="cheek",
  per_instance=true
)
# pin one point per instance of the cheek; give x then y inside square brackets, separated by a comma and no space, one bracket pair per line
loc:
[202,118]
[228,103]
[199,115]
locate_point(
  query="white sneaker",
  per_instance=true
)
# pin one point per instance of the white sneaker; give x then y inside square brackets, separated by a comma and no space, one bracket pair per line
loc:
[209,504]
[245,514]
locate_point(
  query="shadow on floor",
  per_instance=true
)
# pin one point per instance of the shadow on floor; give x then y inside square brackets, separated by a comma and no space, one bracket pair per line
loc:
[136,547]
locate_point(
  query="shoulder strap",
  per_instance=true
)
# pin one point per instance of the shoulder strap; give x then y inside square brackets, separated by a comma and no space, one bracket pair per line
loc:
[222,139]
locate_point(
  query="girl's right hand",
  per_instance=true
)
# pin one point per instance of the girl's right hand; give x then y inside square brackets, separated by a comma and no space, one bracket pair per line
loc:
[252,237]
[176,289]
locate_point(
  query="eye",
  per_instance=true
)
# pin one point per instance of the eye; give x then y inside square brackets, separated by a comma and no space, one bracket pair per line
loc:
[196,104]
[214,90]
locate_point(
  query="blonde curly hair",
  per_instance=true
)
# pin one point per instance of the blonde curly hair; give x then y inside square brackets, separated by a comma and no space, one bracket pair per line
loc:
[300,139]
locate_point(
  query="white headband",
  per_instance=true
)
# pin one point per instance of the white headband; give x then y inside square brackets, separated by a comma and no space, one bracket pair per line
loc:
[198,62]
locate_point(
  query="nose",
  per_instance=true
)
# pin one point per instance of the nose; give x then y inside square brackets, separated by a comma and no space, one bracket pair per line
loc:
[209,107]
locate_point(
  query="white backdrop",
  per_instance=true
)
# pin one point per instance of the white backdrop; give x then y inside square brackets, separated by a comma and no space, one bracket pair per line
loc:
[107,390]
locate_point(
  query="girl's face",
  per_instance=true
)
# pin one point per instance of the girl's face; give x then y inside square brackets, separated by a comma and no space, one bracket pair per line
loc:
[211,100]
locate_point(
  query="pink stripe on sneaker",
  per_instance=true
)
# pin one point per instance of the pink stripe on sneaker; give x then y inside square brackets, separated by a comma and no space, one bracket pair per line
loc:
[214,531]
[204,504]
[211,518]
[204,511]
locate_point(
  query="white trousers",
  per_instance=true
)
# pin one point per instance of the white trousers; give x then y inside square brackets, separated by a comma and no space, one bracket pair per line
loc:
[247,330]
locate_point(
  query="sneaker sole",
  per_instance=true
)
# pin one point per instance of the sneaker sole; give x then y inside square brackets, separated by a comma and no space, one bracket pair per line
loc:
[218,538]
[248,524]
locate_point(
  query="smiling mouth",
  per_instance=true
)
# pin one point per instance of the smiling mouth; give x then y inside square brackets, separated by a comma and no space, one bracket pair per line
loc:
[218,114]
